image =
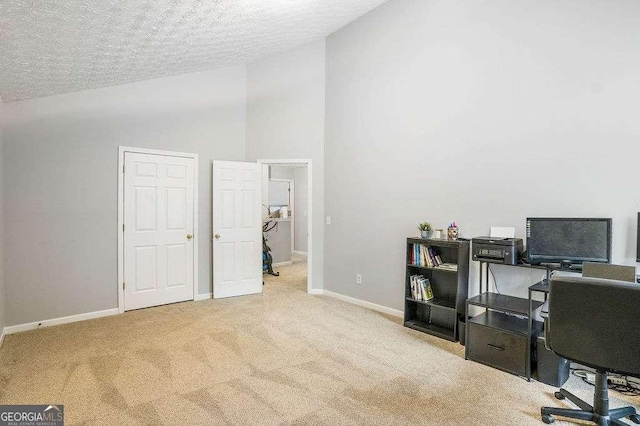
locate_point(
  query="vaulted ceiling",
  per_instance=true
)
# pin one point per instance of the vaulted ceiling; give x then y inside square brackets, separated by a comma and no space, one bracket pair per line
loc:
[50,47]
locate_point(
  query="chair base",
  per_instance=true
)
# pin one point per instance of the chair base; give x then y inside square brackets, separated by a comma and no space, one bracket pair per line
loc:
[601,415]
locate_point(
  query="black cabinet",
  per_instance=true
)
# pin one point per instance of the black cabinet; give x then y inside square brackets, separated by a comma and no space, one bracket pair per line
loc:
[500,336]
[438,316]
[504,336]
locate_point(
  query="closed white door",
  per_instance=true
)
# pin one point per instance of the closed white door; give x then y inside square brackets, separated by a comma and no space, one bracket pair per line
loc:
[158,230]
[237,229]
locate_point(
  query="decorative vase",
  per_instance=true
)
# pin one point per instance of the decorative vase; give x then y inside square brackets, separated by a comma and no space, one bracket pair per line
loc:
[425,234]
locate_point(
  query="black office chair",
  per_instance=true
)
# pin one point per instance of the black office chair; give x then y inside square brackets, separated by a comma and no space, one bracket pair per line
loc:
[594,322]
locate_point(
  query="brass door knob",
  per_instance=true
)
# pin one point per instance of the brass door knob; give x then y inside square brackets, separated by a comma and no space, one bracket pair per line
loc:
[189,236]
[217,236]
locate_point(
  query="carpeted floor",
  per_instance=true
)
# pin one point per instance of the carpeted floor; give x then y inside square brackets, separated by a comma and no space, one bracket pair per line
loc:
[283,357]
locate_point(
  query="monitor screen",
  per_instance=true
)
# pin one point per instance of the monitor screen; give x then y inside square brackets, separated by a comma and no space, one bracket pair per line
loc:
[638,240]
[553,240]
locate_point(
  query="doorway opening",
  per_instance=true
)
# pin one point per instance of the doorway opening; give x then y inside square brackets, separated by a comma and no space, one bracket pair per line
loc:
[287,219]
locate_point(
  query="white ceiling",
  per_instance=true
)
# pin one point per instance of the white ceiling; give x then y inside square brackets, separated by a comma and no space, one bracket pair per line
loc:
[49,47]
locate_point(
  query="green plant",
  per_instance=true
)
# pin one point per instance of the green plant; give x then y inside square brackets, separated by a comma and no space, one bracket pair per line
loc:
[424,226]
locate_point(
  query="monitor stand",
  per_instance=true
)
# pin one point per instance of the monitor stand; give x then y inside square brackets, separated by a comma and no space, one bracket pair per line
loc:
[565,264]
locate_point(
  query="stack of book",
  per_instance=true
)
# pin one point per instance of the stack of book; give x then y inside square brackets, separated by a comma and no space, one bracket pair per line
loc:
[420,288]
[449,266]
[425,256]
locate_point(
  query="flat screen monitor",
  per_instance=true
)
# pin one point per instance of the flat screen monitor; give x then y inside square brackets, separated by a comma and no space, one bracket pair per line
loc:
[568,240]
[638,240]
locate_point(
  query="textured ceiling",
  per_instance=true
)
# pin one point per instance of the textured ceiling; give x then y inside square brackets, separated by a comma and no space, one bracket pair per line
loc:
[49,47]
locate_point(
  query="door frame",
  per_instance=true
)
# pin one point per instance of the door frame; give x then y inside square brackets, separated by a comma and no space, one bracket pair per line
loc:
[196,235]
[308,164]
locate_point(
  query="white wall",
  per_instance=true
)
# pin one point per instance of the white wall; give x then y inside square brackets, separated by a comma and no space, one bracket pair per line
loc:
[301,209]
[61,156]
[479,112]
[285,120]
[280,172]
[279,241]
[2,298]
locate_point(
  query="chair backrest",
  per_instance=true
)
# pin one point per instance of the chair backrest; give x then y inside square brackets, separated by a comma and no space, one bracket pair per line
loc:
[595,322]
[609,272]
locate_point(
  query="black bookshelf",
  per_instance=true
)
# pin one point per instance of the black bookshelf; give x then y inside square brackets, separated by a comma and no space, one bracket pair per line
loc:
[438,316]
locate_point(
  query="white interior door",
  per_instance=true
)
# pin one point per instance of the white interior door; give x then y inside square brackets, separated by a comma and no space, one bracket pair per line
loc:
[237,229]
[158,229]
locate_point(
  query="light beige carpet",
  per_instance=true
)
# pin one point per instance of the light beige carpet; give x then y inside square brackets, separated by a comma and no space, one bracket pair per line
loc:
[283,357]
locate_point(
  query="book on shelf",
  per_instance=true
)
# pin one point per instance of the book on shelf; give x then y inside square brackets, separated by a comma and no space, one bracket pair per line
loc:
[449,266]
[425,256]
[434,257]
[413,280]
[420,288]
[429,291]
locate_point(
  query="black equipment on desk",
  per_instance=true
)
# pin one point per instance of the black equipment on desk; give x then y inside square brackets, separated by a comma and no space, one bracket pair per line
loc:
[638,240]
[568,241]
[497,250]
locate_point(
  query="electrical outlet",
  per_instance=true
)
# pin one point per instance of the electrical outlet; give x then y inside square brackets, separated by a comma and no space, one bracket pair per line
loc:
[328,220]
[358,279]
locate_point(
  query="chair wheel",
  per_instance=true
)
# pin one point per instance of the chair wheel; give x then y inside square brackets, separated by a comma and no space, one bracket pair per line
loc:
[558,395]
[635,418]
[547,418]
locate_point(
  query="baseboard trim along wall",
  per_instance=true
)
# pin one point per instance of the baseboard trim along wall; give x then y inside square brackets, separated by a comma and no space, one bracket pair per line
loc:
[301,253]
[108,312]
[364,303]
[58,321]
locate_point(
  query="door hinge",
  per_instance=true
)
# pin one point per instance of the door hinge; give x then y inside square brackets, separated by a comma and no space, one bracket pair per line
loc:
[123,286]
[123,168]
[123,227]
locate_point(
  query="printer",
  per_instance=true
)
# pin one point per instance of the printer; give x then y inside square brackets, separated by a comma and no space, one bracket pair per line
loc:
[497,250]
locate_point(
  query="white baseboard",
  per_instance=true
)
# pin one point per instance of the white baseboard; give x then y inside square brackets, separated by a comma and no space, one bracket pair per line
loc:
[205,296]
[288,262]
[301,253]
[108,312]
[58,321]
[364,303]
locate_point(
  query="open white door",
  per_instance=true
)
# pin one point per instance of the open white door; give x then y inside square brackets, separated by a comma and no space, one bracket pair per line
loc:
[237,229]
